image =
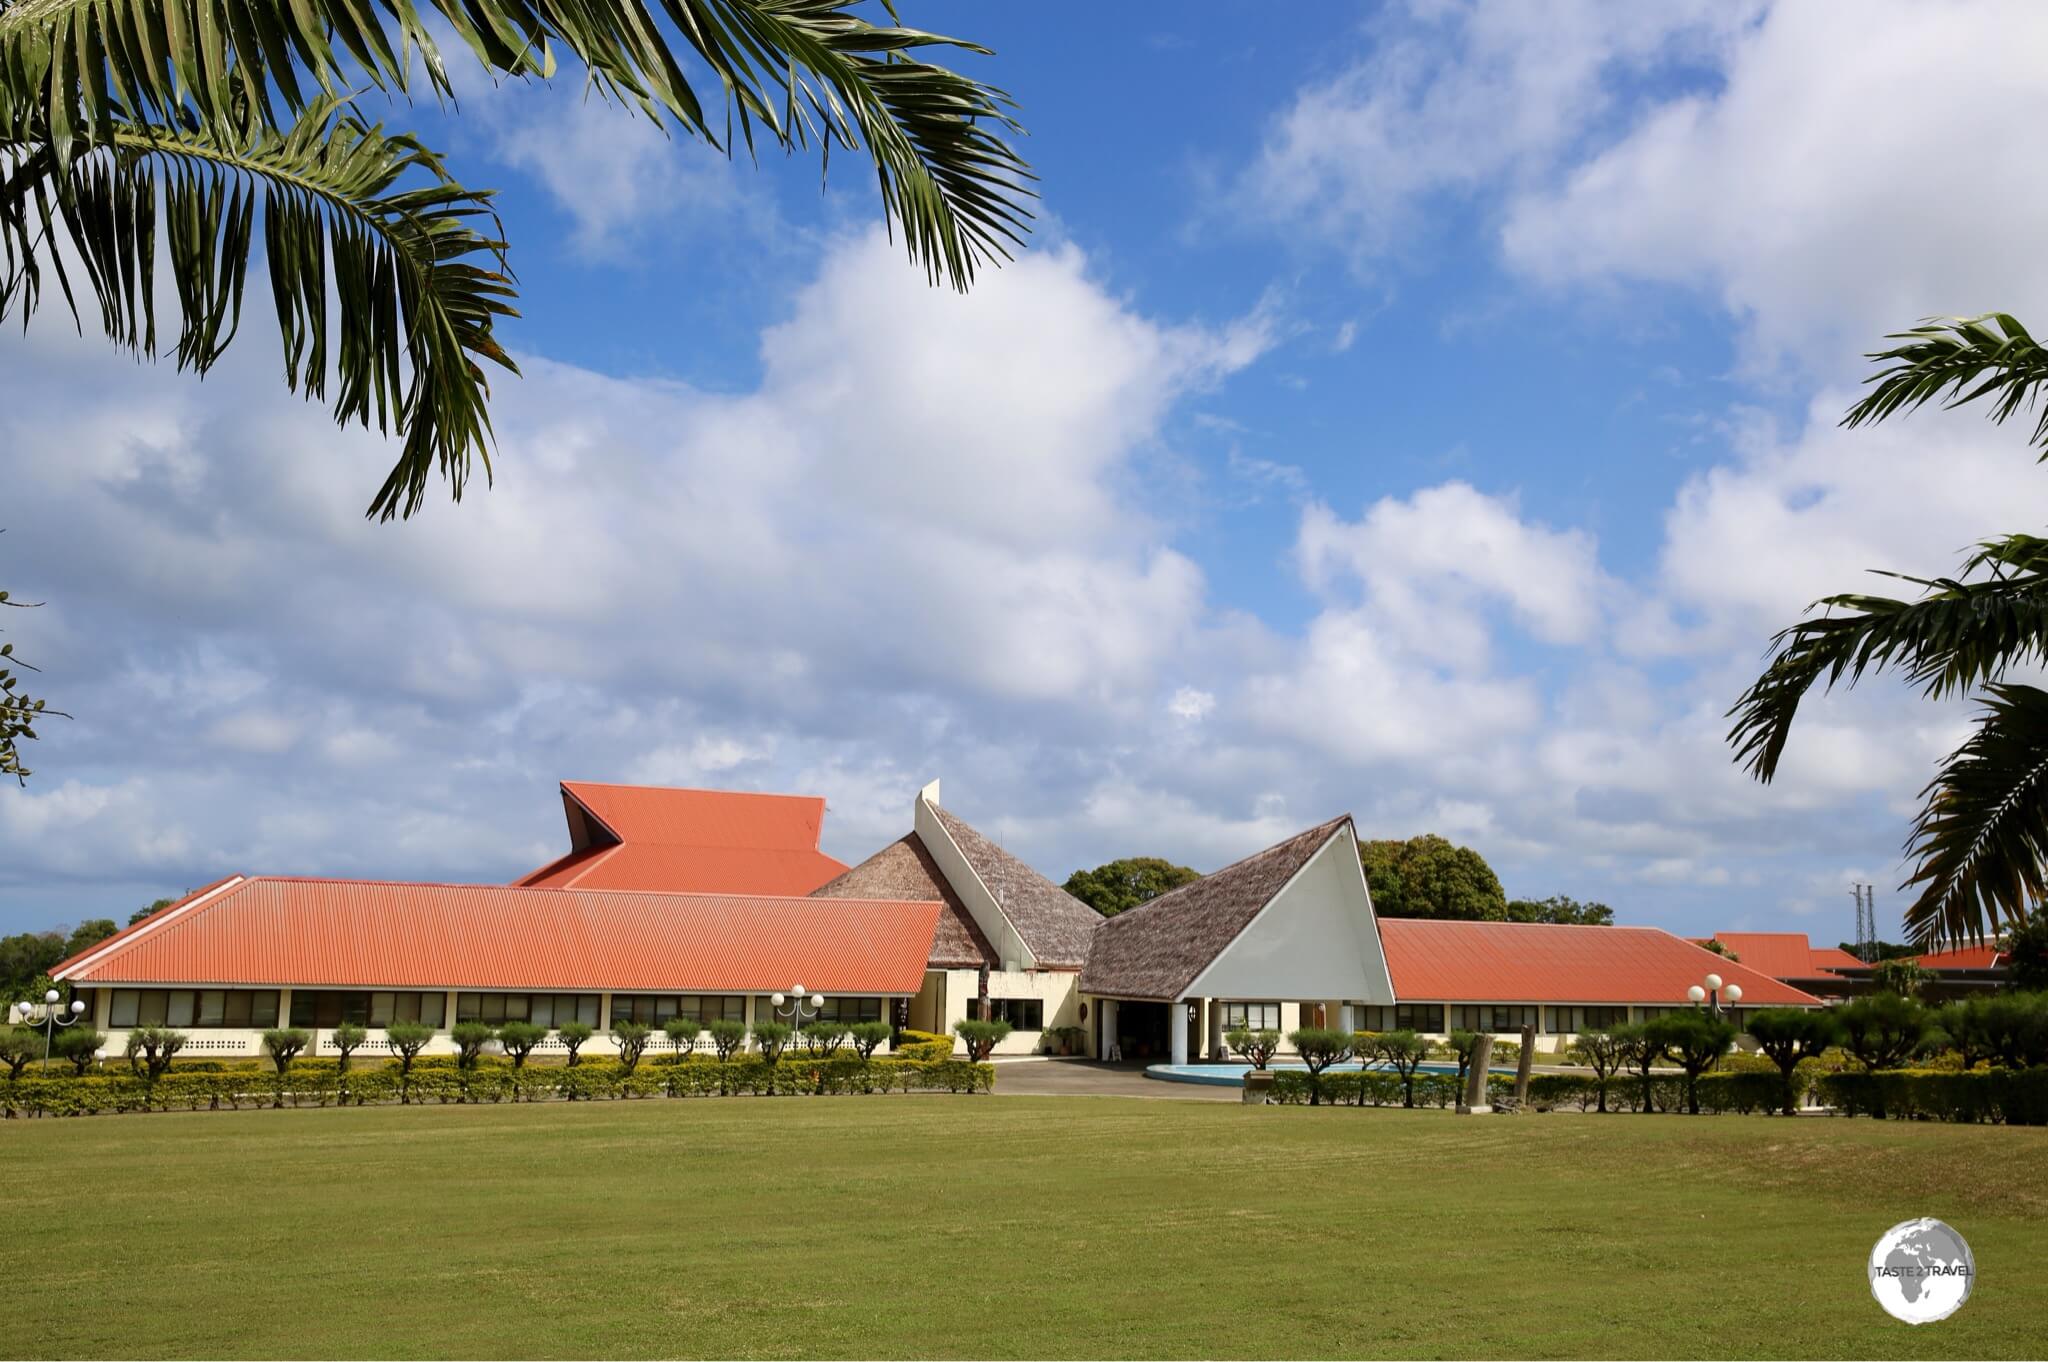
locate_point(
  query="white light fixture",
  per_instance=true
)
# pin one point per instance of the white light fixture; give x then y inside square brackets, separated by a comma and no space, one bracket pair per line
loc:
[51,996]
[798,990]
[1733,993]
[1713,981]
[1696,993]
[77,1006]
[775,998]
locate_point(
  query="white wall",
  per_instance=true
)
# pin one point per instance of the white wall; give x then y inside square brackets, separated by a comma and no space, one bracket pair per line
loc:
[1316,939]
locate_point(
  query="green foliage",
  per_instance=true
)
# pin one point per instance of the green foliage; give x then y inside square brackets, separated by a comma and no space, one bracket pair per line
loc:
[981,1036]
[631,1038]
[1404,1051]
[574,1035]
[1464,1044]
[406,1040]
[347,1038]
[1788,1035]
[283,1044]
[1605,1051]
[1718,949]
[155,907]
[19,1047]
[1427,876]
[88,934]
[1693,1041]
[1257,1046]
[1560,908]
[25,958]
[151,1049]
[868,1037]
[770,1037]
[18,710]
[519,1038]
[682,1032]
[2026,948]
[111,108]
[1882,1030]
[821,1039]
[1118,886]
[470,1038]
[1907,978]
[727,1036]
[923,1045]
[1319,1047]
[2005,1096]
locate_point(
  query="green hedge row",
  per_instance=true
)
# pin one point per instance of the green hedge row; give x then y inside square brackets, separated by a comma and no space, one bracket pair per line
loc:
[2017,1097]
[322,1086]
[1731,1092]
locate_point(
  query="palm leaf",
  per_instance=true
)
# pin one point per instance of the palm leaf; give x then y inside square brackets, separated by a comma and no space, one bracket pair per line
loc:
[1991,356]
[1982,838]
[346,209]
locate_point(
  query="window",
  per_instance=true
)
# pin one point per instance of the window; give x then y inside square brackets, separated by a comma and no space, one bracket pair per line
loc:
[1023,1014]
[542,1009]
[195,1009]
[386,1008]
[851,1010]
[329,1007]
[1495,1017]
[1571,1020]
[1402,1017]
[1251,1016]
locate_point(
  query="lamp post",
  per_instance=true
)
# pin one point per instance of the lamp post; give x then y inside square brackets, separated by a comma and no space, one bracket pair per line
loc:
[49,1016]
[1711,991]
[801,1007]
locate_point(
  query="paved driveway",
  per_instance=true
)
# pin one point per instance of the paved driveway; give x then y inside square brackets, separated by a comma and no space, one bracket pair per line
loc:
[1086,1078]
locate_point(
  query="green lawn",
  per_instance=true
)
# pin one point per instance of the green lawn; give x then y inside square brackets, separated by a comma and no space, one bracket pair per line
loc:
[999,1226]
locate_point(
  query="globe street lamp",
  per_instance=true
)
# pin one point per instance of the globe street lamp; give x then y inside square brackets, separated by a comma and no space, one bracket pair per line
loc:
[801,1008]
[49,1016]
[1711,991]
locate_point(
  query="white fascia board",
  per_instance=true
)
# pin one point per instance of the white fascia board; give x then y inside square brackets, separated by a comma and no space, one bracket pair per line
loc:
[154,923]
[966,881]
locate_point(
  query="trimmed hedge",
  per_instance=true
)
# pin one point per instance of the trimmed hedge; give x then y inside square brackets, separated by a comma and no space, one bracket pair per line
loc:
[318,1085]
[2017,1097]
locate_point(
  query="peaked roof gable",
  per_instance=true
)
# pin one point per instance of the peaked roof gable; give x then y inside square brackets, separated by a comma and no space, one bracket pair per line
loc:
[1786,955]
[1056,928]
[904,869]
[688,841]
[1154,951]
[1439,960]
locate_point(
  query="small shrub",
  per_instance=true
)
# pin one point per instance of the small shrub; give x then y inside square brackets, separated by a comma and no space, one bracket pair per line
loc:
[1319,1048]
[923,1046]
[519,1038]
[348,1038]
[981,1037]
[80,1046]
[1403,1050]
[19,1047]
[822,1038]
[470,1038]
[726,1037]
[1883,1030]
[682,1032]
[769,1038]
[150,1050]
[573,1035]
[1692,1040]
[1788,1035]
[868,1037]
[631,1037]
[1257,1046]
[407,1039]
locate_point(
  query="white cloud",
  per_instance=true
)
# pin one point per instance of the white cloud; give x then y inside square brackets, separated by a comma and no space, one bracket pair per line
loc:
[1191,705]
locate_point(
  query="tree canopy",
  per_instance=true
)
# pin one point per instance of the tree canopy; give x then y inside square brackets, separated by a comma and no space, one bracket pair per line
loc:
[1560,908]
[1428,876]
[1119,886]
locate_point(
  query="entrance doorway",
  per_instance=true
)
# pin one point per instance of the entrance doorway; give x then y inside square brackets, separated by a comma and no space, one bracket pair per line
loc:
[1141,1029]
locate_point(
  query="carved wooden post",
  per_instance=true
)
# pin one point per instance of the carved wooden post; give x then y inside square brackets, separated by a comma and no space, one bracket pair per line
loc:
[1475,1078]
[1522,1068]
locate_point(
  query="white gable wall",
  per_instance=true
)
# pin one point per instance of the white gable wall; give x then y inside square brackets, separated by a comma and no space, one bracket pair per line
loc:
[979,901]
[1317,938]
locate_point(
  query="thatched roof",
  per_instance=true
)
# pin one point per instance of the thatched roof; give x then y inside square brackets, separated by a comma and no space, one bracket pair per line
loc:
[1154,951]
[1057,927]
[905,871]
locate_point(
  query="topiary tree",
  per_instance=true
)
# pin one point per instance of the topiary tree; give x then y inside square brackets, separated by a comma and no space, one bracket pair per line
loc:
[151,1049]
[821,1039]
[347,1039]
[1604,1050]
[682,1032]
[1882,1029]
[631,1038]
[1319,1048]
[981,1037]
[1257,1046]
[573,1035]
[727,1036]
[1906,977]
[519,1038]
[1463,1044]
[284,1044]
[470,1038]
[1694,1041]
[1638,1054]
[1404,1051]
[1787,1035]
[19,1046]
[407,1039]
[769,1038]
[80,1046]
[2015,1029]
[868,1037]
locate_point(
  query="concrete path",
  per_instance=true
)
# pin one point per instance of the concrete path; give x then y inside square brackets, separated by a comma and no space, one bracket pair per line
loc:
[1086,1078]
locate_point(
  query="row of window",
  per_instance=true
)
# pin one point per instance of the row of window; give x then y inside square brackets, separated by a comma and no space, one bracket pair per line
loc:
[326,1008]
[1251,1016]
[542,1009]
[194,1007]
[1023,1014]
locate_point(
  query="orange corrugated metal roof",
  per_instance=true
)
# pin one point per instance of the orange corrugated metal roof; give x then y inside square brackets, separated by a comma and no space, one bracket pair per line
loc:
[1964,957]
[703,818]
[361,933]
[1532,962]
[1787,955]
[693,870]
[694,842]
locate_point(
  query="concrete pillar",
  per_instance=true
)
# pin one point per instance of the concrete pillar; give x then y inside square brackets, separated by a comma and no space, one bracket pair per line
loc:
[1109,1048]
[1177,1029]
[448,1011]
[1475,1103]
[284,1007]
[1215,1006]
[1344,1014]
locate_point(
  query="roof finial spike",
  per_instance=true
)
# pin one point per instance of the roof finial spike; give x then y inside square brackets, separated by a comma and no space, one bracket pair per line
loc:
[930,793]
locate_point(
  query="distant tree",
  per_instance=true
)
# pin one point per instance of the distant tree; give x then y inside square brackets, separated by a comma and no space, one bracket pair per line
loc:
[1464,1044]
[1695,1042]
[1787,1035]
[1640,1055]
[2016,1029]
[1880,950]
[1404,1051]
[1883,1030]
[347,1038]
[407,1039]
[574,1035]
[1257,1046]
[727,1036]
[770,1037]
[79,1046]
[151,1049]
[284,1043]
[1604,1050]
[982,1037]
[868,1037]
[822,1039]
[1907,978]
[19,1047]
[682,1032]
[1119,886]
[88,934]
[1319,1048]
[24,958]
[519,1038]
[1428,876]
[2027,951]
[631,1038]
[470,1038]
[1710,944]
[156,907]
[1560,909]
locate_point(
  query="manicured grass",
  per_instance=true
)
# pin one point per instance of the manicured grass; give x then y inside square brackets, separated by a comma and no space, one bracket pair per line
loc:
[1000,1226]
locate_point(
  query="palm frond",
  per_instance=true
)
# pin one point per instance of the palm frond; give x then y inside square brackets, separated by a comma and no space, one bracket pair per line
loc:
[1965,358]
[800,69]
[346,208]
[1958,634]
[1983,836]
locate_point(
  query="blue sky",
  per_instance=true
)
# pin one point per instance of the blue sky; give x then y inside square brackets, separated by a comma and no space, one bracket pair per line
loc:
[1427,411]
